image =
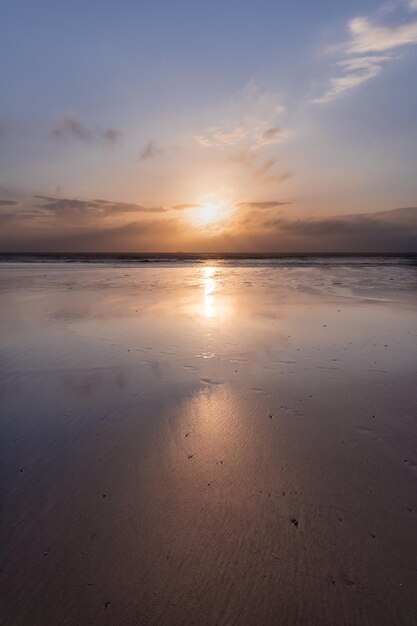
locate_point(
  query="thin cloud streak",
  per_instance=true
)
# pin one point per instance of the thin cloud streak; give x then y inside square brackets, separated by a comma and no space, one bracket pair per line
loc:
[69,127]
[222,137]
[150,151]
[269,204]
[271,135]
[9,203]
[260,169]
[185,206]
[71,207]
[254,127]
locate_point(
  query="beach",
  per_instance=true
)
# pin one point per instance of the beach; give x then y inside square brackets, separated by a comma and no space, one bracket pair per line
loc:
[213,443]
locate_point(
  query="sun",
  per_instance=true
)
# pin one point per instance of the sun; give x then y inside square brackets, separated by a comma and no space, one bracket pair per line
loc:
[211,211]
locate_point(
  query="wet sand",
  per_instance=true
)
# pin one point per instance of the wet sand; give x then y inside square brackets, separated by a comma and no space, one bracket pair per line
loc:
[208,444]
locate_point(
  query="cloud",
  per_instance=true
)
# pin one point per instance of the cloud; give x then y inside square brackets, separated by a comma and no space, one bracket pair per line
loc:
[367,37]
[251,133]
[251,123]
[247,159]
[70,209]
[256,231]
[384,231]
[182,207]
[70,127]
[370,47]
[221,137]
[131,236]
[9,203]
[50,223]
[261,169]
[249,138]
[271,135]
[111,136]
[279,178]
[269,204]
[357,71]
[150,151]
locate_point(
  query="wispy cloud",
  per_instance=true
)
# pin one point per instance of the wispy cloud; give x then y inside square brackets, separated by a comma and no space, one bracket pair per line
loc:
[85,210]
[274,134]
[185,206]
[221,137]
[253,134]
[367,37]
[268,204]
[150,151]
[9,203]
[262,169]
[355,72]
[369,48]
[69,127]
[252,124]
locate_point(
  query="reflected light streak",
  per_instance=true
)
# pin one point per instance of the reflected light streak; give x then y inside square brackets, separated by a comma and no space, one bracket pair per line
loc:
[209,283]
[213,305]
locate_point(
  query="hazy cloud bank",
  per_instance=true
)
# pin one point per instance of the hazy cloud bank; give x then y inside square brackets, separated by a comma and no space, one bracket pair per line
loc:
[71,225]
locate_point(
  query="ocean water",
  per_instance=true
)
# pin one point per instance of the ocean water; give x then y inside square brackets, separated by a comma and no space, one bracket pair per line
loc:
[238,259]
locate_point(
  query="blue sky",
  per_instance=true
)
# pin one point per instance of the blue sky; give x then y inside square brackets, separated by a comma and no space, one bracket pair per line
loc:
[311,105]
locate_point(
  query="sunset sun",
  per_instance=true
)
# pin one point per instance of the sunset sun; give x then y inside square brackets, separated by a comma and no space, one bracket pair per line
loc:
[211,211]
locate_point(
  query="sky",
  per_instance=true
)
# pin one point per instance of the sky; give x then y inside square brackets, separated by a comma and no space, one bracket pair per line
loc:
[212,126]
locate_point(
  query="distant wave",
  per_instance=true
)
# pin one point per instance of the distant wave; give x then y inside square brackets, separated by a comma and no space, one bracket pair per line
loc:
[234,259]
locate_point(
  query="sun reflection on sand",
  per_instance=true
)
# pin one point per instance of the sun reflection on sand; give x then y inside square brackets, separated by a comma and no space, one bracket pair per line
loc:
[216,305]
[209,283]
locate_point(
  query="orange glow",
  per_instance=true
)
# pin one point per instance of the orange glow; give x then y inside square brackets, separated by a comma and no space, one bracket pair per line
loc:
[211,211]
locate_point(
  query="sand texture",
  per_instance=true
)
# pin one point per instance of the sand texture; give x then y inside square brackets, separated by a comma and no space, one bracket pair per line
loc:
[208,444]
